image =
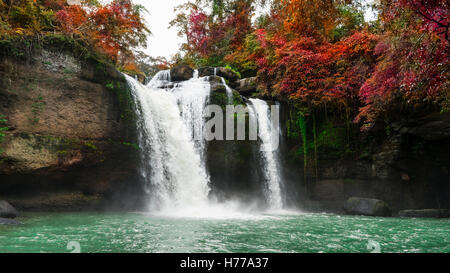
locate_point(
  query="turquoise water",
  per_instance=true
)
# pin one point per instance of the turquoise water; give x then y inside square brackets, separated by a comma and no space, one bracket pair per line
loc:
[134,232]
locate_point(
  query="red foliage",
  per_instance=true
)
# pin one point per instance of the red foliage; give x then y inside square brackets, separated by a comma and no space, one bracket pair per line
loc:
[413,66]
[318,72]
[71,18]
[197,34]
[435,14]
[113,28]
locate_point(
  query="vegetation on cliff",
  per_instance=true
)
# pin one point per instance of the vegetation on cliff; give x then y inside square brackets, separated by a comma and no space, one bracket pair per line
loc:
[324,56]
[113,31]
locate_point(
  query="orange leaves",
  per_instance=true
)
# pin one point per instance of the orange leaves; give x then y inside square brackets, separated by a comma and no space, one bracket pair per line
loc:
[309,17]
[114,29]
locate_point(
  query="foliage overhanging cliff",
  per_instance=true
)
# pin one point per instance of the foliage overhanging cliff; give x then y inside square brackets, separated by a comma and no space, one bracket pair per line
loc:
[324,56]
[112,31]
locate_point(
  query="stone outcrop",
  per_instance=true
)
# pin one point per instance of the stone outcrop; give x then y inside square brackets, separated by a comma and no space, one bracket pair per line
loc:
[367,207]
[227,74]
[181,72]
[71,123]
[392,162]
[206,71]
[224,72]
[247,86]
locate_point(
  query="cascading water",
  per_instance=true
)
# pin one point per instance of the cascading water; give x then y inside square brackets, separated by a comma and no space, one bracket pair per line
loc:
[228,90]
[192,97]
[260,110]
[171,165]
[170,122]
[161,79]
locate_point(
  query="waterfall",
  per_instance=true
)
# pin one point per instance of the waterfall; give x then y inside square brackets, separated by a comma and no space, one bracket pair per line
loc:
[161,79]
[170,122]
[228,90]
[192,97]
[260,110]
[171,165]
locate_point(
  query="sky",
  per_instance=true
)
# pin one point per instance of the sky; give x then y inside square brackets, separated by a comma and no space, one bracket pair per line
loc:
[164,41]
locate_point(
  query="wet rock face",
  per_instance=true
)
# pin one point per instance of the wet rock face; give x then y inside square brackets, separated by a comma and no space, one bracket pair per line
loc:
[247,86]
[367,206]
[181,73]
[329,190]
[227,74]
[69,122]
[400,163]
[8,211]
[206,71]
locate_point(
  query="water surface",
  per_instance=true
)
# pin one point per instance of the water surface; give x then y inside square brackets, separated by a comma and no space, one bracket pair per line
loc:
[134,232]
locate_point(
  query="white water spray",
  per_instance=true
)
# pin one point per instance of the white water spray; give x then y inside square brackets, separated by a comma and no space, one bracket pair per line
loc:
[269,154]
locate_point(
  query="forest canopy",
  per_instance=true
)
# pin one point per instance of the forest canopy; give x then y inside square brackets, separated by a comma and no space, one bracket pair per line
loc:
[115,29]
[320,54]
[324,55]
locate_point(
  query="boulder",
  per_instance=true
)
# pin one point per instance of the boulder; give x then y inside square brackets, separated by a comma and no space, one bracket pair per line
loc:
[4,221]
[247,86]
[227,74]
[366,206]
[218,88]
[181,72]
[206,71]
[7,211]
[425,213]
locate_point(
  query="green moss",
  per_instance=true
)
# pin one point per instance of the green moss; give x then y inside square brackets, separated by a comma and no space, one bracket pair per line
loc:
[36,108]
[228,67]
[3,129]
[123,95]
[110,85]
[131,145]
[91,145]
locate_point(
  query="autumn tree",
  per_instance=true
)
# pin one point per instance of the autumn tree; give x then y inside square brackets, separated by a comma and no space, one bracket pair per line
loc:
[413,61]
[114,29]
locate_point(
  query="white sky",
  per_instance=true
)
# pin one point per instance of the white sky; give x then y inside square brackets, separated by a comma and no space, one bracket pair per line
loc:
[164,41]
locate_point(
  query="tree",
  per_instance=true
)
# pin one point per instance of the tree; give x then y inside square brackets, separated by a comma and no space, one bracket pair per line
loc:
[114,29]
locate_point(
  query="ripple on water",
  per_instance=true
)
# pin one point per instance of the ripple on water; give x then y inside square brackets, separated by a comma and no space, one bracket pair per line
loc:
[288,232]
